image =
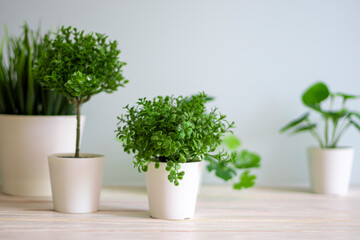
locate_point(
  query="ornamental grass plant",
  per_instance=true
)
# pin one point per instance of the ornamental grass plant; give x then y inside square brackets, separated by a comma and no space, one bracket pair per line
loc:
[20,90]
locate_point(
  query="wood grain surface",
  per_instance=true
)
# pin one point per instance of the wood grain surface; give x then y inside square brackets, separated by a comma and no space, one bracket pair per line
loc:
[221,213]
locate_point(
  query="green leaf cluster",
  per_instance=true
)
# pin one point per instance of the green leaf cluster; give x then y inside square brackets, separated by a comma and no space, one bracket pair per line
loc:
[173,130]
[79,65]
[319,99]
[242,163]
[20,92]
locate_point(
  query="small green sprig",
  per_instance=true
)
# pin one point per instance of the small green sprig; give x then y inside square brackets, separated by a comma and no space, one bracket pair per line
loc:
[242,163]
[173,130]
[337,120]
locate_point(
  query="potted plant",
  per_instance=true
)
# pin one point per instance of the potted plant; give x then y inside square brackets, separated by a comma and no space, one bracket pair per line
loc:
[169,137]
[34,122]
[329,164]
[241,164]
[78,66]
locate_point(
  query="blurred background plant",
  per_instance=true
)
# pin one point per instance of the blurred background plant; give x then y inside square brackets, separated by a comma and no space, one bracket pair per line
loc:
[336,119]
[20,92]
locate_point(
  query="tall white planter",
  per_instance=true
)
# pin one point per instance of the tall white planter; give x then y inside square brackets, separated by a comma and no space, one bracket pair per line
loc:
[330,169]
[167,201]
[25,143]
[76,182]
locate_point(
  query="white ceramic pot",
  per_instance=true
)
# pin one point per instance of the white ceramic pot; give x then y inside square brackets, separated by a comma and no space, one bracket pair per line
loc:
[167,201]
[25,143]
[330,169]
[76,182]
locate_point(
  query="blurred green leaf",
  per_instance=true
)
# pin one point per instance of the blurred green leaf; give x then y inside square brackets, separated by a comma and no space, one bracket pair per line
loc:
[356,114]
[304,128]
[246,180]
[222,171]
[355,124]
[315,94]
[247,159]
[232,142]
[334,114]
[346,96]
[295,122]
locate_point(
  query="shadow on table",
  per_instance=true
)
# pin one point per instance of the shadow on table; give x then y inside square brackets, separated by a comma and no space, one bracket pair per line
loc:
[288,189]
[19,203]
[126,213]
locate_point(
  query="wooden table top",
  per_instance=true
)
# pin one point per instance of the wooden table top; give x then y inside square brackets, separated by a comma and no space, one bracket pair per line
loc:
[221,213]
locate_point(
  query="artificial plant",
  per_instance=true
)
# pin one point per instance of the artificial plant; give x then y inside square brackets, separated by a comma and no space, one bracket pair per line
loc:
[241,164]
[337,117]
[78,66]
[20,92]
[173,130]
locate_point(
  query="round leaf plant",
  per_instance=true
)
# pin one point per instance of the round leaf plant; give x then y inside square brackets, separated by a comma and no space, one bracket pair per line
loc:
[337,119]
[78,66]
[173,130]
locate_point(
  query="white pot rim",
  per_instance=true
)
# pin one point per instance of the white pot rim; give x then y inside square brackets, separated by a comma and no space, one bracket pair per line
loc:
[330,149]
[71,155]
[38,116]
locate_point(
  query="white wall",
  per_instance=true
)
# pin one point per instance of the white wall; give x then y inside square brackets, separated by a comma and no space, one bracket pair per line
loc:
[256,58]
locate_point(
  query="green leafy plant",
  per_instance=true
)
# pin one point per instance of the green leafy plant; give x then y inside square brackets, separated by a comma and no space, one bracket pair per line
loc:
[241,164]
[20,93]
[173,130]
[336,120]
[78,66]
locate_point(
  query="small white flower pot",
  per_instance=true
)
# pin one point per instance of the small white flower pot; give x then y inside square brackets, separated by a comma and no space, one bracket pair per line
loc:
[330,169]
[167,201]
[76,182]
[25,143]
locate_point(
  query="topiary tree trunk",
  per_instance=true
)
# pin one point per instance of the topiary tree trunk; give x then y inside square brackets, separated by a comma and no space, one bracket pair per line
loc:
[78,102]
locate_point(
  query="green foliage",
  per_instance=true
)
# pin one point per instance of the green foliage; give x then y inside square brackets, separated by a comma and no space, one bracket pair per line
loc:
[20,92]
[242,162]
[245,181]
[315,95]
[337,121]
[232,142]
[173,130]
[78,66]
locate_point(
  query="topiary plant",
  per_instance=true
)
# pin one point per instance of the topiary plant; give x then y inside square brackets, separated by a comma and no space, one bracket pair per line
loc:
[20,93]
[337,120]
[78,66]
[173,130]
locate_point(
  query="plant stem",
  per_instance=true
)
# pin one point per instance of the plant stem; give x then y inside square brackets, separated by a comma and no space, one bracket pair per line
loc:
[326,131]
[331,101]
[341,128]
[77,149]
[315,135]
[335,123]
[343,103]
[339,135]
